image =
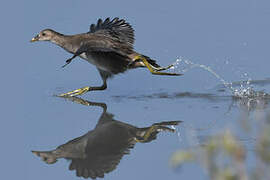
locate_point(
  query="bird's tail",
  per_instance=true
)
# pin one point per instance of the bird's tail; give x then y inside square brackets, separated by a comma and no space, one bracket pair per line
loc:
[150,133]
[48,156]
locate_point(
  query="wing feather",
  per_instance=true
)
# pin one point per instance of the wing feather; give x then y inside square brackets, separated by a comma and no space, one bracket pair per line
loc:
[117,29]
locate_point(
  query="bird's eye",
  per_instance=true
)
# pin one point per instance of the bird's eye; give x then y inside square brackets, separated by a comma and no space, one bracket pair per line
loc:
[43,34]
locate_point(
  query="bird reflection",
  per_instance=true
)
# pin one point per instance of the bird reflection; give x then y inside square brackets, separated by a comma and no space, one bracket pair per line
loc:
[100,150]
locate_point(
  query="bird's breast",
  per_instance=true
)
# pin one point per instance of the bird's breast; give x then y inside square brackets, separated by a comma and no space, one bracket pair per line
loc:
[109,62]
[89,58]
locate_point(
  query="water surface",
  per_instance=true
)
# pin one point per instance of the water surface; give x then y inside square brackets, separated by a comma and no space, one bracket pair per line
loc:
[232,38]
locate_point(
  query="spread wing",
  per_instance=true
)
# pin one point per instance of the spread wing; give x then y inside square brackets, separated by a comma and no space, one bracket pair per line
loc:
[105,147]
[107,53]
[117,29]
[99,161]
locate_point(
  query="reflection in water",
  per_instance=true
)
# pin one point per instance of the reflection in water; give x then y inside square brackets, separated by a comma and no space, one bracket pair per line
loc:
[251,104]
[100,150]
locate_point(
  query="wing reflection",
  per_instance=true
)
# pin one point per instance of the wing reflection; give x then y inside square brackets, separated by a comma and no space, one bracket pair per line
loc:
[100,150]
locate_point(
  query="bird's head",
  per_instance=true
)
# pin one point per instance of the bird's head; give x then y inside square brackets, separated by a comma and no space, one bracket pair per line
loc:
[44,35]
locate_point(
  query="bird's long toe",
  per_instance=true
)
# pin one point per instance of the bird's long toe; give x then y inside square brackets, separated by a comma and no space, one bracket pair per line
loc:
[166,73]
[156,70]
[163,68]
[76,92]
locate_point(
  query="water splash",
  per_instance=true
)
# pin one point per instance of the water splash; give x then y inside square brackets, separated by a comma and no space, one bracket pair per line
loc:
[178,133]
[244,91]
[249,92]
[173,127]
[190,65]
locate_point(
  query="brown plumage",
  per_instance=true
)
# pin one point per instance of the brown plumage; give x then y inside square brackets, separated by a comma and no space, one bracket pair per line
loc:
[108,45]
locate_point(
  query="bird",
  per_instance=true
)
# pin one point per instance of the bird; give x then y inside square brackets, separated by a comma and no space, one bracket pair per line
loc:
[100,150]
[108,45]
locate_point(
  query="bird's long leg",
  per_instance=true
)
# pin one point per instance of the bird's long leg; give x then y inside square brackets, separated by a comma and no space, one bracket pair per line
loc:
[147,134]
[155,70]
[84,90]
[104,75]
[157,127]
[85,102]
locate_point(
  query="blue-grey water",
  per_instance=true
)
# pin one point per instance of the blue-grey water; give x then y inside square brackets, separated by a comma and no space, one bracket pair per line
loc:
[231,37]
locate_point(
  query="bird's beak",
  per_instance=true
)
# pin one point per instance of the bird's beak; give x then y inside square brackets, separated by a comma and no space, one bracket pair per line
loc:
[36,38]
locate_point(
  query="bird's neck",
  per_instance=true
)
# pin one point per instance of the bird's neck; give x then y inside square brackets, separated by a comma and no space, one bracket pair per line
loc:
[64,42]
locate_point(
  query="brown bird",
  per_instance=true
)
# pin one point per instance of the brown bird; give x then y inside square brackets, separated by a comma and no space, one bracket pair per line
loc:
[108,45]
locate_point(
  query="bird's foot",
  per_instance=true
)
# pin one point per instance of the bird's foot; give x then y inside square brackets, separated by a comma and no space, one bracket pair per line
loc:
[155,70]
[146,135]
[156,128]
[76,92]
[168,123]
[163,68]
[165,73]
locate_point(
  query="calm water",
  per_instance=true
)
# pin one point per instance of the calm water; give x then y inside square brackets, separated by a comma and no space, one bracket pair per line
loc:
[232,38]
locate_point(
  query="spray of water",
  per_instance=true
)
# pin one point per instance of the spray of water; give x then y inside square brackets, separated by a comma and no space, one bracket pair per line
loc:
[245,89]
[178,132]
[191,65]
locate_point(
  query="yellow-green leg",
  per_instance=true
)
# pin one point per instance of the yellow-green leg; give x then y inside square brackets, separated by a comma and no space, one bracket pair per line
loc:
[155,70]
[146,136]
[154,128]
[86,89]
[157,127]
[83,90]
[76,92]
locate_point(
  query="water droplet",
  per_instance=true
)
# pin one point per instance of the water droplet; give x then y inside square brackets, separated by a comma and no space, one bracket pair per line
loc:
[245,90]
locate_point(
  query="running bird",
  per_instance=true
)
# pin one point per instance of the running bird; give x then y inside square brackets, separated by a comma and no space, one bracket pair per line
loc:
[108,45]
